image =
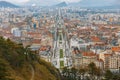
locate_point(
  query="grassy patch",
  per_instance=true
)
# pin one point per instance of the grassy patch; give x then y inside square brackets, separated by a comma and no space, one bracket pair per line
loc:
[60,42]
[61,64]
[61,53]
[60,37]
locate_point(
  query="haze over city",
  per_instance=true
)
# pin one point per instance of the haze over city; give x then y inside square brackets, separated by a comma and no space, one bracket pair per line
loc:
[52,2]
[59,39]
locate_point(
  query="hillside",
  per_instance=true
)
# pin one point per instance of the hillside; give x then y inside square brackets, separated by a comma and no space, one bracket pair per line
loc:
[63,4]
[7,4]
[16,65]
[97,4]
[41,2]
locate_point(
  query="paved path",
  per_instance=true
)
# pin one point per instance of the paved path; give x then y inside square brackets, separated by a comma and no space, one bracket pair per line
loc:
[33,72]
[61,43]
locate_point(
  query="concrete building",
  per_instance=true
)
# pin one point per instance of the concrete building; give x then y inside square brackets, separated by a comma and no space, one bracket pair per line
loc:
[114,63]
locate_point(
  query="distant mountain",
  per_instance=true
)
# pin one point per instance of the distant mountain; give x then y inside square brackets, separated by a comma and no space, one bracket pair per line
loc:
[41,2]
[93,3]
[62,4]
[7,4]
[112,7]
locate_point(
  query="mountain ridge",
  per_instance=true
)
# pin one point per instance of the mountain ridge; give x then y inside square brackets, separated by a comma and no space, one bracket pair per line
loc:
[62,4]
[7,4]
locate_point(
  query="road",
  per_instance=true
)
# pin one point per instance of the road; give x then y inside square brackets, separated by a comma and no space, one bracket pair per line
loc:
[61,54]
[33,72]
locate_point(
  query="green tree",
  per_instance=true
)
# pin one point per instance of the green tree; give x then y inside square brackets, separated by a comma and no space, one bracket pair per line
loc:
[108,75]
[82,72]
[65,71]
[3,71]
[92,70]
[74,72]
[98,73]
[116,77]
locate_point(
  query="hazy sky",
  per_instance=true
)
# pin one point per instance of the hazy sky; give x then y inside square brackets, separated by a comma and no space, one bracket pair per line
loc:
[51,2]
[18,1]
[70,0]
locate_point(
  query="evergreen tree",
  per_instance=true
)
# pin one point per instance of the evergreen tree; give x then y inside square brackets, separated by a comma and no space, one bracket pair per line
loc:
[3,71]
[108,75]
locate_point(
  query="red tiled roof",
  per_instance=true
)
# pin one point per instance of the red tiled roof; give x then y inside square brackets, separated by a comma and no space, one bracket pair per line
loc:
[100,60]
[115,48]
[37,41]
[89,54]
[32,34]
[107,55]
[43,48]
[95,39]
